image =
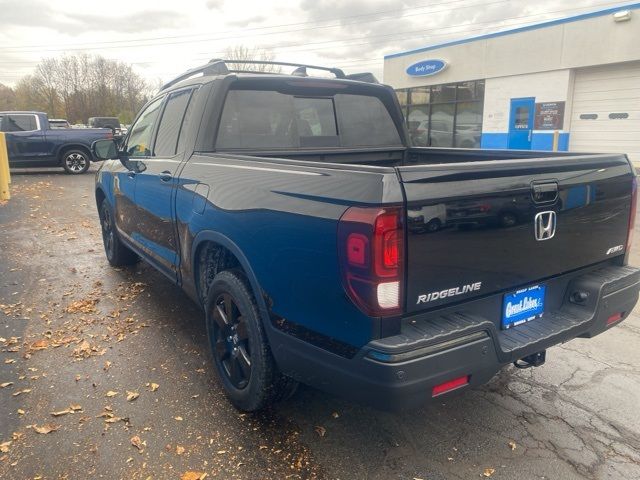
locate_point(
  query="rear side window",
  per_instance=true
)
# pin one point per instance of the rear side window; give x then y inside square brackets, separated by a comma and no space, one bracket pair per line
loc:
[20,123]
[139,142]
[262,119]
[171,123]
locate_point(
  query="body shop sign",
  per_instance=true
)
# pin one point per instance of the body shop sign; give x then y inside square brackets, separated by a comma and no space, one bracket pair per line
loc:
[549,116]
[426,67]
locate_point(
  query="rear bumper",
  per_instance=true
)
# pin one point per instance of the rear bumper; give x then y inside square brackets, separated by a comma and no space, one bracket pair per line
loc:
[399,372]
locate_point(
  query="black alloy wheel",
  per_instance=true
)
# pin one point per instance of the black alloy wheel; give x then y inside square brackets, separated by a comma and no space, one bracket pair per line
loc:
[108,233]
[248,373]
[117,253]
[232,347]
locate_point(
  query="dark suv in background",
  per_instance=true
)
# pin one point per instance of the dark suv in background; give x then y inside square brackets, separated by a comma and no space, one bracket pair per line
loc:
[106,122]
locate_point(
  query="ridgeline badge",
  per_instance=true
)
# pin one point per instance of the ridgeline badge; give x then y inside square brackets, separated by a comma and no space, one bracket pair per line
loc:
[426,67]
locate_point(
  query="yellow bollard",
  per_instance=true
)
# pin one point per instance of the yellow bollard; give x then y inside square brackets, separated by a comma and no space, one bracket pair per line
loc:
[556,140]
[5,176]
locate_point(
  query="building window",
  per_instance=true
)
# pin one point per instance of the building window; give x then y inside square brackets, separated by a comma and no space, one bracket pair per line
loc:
[444,115]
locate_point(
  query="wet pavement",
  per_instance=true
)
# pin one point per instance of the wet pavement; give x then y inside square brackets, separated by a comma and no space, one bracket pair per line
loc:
[120,356]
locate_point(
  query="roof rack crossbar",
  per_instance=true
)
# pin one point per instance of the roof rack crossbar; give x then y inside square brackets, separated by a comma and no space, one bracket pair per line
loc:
[336,71]
[219,67]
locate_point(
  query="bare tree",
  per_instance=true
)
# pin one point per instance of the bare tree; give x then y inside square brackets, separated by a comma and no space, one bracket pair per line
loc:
[242,52]
[81,86]
[7,98]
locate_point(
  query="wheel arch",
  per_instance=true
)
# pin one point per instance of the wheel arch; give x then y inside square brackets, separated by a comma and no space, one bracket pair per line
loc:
[73,146]
[100,197]
[213,239]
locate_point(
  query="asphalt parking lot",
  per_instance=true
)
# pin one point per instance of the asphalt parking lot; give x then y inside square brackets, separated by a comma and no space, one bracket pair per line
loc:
[120,357]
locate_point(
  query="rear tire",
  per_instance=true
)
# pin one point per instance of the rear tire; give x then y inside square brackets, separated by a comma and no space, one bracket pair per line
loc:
[117,253]
[241,353]
[75,161]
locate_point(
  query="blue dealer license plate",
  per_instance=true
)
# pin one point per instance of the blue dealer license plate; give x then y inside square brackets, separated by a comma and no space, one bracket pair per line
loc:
[523,306]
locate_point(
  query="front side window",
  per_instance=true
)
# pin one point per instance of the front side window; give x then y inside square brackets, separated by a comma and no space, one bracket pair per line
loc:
[139,142]
[20,123]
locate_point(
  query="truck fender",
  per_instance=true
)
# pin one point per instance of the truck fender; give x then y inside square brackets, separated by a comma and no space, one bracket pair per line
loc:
[216,237]
[67,146]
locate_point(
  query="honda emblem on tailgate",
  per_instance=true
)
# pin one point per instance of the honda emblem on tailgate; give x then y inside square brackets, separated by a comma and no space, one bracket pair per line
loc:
[545,223]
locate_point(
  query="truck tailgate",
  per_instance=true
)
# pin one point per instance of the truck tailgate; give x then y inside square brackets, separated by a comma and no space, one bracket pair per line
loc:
[472,227]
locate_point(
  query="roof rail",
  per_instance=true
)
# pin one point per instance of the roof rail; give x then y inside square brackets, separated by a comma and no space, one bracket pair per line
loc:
[218,66]
[214,67]
[363,77]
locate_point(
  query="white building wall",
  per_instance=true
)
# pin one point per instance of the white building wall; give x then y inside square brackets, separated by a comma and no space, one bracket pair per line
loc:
[574,44]
[545,87]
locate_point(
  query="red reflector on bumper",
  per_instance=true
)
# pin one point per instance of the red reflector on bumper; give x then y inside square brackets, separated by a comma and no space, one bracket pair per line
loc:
[614,318]
[450,385]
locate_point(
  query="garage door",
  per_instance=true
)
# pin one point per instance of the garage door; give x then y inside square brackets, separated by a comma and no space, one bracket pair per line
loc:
[606,110]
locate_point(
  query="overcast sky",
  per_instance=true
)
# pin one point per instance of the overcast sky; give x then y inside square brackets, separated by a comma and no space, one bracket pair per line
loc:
[163,38]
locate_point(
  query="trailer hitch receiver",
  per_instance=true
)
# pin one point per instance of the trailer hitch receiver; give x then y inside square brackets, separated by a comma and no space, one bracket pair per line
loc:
[533,360]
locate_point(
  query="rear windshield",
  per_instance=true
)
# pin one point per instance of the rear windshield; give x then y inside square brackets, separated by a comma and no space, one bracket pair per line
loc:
[263,119]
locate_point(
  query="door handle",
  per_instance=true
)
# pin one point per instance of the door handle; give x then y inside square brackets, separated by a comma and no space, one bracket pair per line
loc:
[166,176]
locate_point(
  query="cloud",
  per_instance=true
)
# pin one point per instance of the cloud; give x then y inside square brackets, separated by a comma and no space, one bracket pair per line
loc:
[135,22]
[36,13]
[214,4]
[245,22]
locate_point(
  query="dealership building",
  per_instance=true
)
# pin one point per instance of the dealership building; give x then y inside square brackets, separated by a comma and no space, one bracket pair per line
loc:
[568,84]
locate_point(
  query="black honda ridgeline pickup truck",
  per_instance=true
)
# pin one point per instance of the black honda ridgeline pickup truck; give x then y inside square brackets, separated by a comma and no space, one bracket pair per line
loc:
[326,249]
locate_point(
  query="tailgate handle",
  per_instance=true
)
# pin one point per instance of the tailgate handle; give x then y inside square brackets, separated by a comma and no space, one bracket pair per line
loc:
[544,192]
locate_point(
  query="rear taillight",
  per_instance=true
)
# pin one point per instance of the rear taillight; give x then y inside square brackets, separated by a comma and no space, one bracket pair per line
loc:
[632,212]
[371,254]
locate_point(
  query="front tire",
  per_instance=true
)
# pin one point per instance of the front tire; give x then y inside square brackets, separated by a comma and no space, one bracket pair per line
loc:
[239,346]
[75,162]
[117,253]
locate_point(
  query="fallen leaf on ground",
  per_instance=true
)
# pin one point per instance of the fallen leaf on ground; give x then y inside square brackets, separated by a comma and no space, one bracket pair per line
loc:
[46,428]
[488,472]
[154,386]
[39,345]
[320,430]
[20,411]
[6,384]
[131,396]
[193,476]
[61,412]
[9,360]
[4,446]
[75,407]
[84,349]
[178,418]
[179,450]
[111,393]
[83,306]
[335,415]
[113,419]
[107,364]
[20,392]
[512,445]
[139,444]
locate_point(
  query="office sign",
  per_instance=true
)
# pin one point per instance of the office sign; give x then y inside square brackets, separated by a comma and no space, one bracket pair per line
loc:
[426,68]
[549,116]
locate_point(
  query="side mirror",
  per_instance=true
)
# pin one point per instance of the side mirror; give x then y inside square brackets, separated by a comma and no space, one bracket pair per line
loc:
[105,150]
